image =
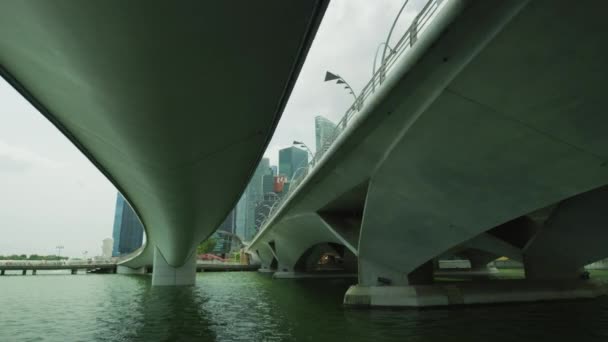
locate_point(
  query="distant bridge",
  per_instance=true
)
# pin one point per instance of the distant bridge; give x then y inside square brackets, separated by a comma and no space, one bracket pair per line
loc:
[113,267]
[102,267]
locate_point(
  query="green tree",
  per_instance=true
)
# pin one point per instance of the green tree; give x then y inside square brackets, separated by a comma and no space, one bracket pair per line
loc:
[206,246]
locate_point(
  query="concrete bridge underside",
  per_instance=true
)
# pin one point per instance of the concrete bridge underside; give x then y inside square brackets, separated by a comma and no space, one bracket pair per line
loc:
[175,102]
[487,140]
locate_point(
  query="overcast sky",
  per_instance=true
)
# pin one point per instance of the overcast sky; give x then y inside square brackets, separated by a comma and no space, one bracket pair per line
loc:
[50,194]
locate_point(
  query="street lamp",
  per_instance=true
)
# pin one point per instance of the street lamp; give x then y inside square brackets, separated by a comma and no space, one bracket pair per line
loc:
[301,144]
[331,76]
[59,248]
[388,38]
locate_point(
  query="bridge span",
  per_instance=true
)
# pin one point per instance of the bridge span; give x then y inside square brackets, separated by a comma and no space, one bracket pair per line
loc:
[167,99]
[101,267]
[482,135]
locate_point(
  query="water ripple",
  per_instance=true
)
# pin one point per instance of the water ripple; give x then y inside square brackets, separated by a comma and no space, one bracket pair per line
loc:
[253,307]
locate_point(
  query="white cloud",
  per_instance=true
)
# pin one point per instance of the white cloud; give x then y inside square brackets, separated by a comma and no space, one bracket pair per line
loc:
[19,159]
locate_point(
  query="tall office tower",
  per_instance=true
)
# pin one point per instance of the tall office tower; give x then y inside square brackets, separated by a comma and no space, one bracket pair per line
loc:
[128,232]
[255,194]
[275,170]
[241,216]
[324,131]
[267,183]
[291,160]
[229,223]
[106,247]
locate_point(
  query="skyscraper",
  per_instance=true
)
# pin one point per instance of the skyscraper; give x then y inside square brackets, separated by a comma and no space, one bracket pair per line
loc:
[241,216]
[253,194]
[128,232]
[291,159]
[267,183]
[229,223]
[106,248]
[324,131]
[275,170]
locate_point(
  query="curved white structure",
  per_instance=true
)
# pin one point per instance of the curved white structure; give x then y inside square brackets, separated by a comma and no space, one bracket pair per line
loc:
[174,101]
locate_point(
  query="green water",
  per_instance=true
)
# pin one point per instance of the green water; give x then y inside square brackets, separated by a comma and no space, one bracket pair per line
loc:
[253,307]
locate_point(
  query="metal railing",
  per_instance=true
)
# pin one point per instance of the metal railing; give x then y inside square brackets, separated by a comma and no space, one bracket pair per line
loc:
[407,40]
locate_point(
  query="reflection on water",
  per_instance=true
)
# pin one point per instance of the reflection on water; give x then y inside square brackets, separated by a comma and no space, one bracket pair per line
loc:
[254,307]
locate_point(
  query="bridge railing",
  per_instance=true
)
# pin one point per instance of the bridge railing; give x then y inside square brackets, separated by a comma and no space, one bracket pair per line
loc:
[407,40]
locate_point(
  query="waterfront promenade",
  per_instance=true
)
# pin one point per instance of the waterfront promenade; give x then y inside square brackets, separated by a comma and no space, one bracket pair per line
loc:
[92,266]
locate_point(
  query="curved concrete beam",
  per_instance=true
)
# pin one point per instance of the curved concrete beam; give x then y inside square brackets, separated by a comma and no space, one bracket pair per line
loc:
[174,102]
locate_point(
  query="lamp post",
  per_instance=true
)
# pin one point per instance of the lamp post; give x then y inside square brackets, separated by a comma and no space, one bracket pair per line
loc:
[329,76]
[59,248]
[301,144]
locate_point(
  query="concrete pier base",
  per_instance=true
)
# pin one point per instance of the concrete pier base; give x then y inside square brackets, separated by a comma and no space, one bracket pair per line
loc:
[167,275]
[266,270]
[128,270]
[318,275]
[470,293]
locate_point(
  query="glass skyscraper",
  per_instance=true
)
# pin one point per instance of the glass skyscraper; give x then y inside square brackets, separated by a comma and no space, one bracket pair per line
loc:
[128,232]
[253,194]
[290,160]
[229,223]
[324,131]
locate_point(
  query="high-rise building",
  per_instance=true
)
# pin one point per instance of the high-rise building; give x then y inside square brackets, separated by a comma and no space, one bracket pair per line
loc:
[106,248]
[245,227]
[292,159]
[229,223]
[275,170]
[324,131]
[128,232]
[241,216]
[267,183]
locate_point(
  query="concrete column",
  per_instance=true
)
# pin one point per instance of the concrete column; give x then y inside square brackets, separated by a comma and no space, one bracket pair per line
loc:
[74,271]
[168,275]
[574,235]
[24,272]
[2,272]
[33,272]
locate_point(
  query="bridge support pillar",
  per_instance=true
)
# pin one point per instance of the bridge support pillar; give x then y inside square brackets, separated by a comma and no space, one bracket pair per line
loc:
[2,272]
[24,272]
[573,236]
[168,275]
[33,272]
[74,271]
